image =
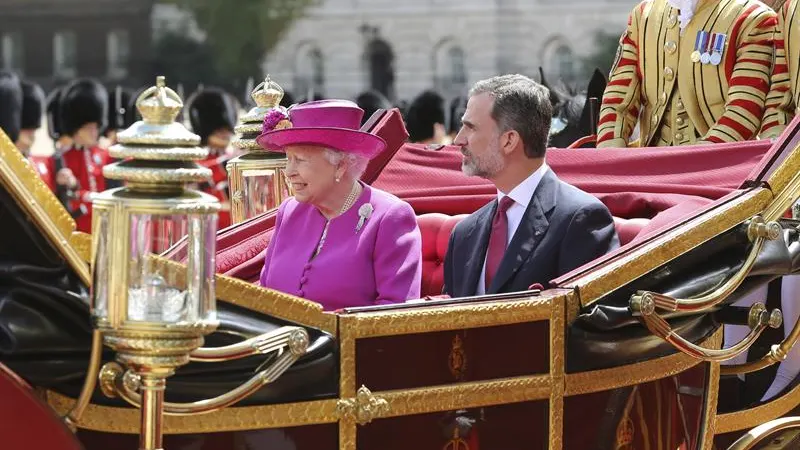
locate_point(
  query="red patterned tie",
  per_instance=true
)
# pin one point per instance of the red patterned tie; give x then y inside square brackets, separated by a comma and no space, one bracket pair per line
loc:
[497,240]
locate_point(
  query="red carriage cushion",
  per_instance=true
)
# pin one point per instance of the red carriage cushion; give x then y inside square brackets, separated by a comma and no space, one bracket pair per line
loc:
[627,229]
[435,229]
[26,422]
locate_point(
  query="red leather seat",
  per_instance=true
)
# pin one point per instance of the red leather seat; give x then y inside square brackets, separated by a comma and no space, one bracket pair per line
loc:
[26,422]
[436,229]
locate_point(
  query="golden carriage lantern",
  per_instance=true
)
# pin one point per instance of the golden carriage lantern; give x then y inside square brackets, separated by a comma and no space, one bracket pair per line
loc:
[152,314]
[256,178]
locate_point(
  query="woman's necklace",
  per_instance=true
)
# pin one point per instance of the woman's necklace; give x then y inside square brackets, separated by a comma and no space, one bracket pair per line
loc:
[348,203]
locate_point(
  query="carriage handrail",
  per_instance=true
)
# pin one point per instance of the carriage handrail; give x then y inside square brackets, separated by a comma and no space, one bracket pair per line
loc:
[759,433]
[758,320]
[758,232]
[257,345]
[73,417]
[777,353]
[116,381]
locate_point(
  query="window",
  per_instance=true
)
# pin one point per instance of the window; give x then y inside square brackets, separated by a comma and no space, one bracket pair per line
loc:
[450,70]
[379,59]
[12,51]
[309,72]
[65,46]
[458,71]
[564,63]
[117,53]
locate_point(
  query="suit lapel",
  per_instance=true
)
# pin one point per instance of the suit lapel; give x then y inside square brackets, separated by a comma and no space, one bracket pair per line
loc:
[476,241]
[529,233]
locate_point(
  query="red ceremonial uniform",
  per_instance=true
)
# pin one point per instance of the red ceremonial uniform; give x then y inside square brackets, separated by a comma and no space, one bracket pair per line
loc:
[218,186]
[705,83]
[210,111]
[86,165]
[44,166]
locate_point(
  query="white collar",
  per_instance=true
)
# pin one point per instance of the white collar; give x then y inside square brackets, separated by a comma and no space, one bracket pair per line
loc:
[523,192]
[685,9]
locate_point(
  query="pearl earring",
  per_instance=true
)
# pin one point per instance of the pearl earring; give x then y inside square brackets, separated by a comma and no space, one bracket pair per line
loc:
[338,179]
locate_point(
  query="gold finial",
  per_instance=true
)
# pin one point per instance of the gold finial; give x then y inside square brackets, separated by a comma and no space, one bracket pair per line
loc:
[267,94]
[159,105]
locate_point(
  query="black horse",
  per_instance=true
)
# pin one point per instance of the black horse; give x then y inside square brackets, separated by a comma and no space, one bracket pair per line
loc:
[573,117]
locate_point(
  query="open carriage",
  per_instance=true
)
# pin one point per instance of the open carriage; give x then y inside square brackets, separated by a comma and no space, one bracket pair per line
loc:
[623,352]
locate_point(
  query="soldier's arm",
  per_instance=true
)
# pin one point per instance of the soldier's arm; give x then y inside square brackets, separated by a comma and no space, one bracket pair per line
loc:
[748,82]
[619,110]
[779,100]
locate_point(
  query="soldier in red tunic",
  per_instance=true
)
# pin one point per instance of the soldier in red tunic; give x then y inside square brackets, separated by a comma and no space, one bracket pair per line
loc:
[83,112]
[212,114]
[33,104]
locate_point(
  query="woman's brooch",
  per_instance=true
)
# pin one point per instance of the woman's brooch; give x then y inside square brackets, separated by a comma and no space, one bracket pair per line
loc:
[363,214]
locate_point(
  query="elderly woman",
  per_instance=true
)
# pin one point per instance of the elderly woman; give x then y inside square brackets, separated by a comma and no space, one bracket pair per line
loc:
[338,241]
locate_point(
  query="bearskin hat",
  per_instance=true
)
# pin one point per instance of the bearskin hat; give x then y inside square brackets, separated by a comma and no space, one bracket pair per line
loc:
[53,120]
[121,109]
[371,101]
[425,111]
[83,101]
[32,105]
[10,104]
[209,110]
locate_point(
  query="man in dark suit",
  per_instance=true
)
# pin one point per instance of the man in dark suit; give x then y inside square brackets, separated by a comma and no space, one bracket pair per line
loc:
[539,227]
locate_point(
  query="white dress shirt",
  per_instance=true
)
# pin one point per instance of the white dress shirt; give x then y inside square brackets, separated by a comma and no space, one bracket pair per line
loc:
[522,195]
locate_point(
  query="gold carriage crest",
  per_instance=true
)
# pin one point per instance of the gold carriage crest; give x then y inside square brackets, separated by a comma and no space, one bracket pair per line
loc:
[456,443]
[458,358]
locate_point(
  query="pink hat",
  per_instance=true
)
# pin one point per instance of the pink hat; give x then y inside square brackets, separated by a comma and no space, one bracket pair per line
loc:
[328,123]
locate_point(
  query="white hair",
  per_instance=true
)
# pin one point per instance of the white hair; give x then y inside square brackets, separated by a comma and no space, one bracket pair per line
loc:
[356,164]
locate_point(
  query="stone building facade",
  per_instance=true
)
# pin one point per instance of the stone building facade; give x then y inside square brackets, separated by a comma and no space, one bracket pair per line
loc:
[344,47]
[53,41]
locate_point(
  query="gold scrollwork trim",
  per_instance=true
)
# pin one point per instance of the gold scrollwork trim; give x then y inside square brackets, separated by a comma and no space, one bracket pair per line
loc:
[749,418]
[710,413]
[348,433]
[628,375]
[472,394]
[452,317]
[265,301]
[82,243]
[676,242]
[363,408]
[48,214]
[126,420]
[557,350]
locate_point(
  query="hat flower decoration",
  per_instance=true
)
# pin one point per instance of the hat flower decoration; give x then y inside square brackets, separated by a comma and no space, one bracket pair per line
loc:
[276,119]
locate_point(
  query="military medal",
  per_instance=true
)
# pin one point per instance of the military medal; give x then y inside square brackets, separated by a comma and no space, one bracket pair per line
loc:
[697,42]
[719,45]
[705,57]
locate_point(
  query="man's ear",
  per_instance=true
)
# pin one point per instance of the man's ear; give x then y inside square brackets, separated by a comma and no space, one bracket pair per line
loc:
[509,141]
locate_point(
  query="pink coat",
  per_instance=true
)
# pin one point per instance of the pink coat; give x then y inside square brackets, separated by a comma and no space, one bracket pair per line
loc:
[381,263]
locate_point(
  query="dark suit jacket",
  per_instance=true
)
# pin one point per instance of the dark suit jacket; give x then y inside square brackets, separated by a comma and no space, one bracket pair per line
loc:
[562,229]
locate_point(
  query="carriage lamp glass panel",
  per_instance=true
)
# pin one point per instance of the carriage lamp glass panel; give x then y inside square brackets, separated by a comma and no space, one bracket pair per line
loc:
[157,293]
[100,250]
[262,190]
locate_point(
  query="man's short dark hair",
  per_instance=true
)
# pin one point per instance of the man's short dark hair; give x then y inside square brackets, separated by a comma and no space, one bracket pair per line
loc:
[522,105]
